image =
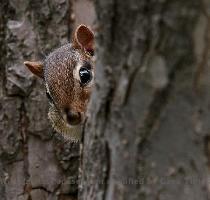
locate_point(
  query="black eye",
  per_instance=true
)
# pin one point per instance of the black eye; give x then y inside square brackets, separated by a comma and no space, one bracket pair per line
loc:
[85,75]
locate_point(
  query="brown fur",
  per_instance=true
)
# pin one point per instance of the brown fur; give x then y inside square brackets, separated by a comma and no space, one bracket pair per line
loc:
[64,88]
[58,73]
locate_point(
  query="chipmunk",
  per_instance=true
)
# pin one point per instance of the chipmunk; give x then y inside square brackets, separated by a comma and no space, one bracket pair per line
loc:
[68,74]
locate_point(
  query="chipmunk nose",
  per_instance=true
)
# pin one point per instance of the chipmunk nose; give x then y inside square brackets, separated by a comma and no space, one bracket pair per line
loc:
[73,118]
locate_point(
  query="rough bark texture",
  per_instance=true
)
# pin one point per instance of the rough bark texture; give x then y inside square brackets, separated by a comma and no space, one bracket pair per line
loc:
[34,164]
[147,135]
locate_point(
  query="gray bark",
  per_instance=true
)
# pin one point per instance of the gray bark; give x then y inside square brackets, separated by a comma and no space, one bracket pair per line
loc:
[34,164]
[147,133]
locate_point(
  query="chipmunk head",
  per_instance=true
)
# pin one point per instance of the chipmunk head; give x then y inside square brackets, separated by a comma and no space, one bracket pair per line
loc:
[68,74]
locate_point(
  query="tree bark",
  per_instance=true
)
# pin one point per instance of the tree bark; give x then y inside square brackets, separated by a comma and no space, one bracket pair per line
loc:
[34,164]
[147,132]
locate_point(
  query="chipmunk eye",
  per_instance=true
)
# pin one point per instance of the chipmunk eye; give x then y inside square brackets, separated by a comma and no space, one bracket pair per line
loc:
[85,75]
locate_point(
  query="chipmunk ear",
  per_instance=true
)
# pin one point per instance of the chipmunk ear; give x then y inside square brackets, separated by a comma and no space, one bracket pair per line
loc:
[84,38]
[35,67]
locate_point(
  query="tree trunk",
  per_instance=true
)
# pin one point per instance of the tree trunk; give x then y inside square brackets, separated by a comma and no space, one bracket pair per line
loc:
[33,164]
[147,133]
